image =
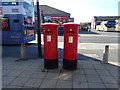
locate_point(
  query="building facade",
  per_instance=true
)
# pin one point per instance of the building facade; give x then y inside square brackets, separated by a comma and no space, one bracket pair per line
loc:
[53,15]
[97,19]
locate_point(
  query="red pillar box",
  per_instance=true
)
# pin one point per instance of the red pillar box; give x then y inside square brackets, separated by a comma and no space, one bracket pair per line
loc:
[70,46]
[50,45]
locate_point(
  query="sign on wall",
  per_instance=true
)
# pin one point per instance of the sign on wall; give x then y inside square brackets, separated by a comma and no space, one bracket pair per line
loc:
[59,17]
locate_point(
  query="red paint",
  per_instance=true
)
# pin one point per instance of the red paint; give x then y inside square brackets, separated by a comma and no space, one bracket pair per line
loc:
[70,49]
[50,47]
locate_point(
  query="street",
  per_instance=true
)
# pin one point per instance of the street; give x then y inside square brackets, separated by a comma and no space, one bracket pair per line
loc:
[96,37]
[90,47]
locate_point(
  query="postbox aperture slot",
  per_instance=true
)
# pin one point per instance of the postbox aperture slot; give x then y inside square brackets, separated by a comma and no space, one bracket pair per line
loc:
[48,31]
[70,31]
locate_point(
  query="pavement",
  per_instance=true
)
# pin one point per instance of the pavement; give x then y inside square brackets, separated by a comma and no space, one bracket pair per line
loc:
[91,72]
[31,74]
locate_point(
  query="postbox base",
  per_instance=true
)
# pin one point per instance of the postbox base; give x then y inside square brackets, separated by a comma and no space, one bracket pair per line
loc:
[51,63]
[70,64]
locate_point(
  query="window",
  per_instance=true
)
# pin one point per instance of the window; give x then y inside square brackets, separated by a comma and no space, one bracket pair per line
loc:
[16,21]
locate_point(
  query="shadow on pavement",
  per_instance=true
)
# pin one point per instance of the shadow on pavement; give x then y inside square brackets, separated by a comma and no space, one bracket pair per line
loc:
[80,56]
[14,51]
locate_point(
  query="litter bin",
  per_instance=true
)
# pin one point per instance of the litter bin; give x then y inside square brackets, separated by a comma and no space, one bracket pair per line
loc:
[50,45]
[70,46]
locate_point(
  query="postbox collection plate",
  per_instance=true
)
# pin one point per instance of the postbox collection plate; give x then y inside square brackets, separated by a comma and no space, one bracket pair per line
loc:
[49,38]
[70,39]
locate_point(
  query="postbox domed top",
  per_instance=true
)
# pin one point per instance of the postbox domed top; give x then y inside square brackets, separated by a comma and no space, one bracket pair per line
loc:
[71,24]
[50,24]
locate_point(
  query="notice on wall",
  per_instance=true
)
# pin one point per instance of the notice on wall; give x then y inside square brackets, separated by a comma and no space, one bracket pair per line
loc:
[70,39]
[48,38]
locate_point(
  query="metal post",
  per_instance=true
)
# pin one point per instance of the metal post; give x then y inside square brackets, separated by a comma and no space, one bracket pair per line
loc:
[39,31]
[23,52]
[105,54]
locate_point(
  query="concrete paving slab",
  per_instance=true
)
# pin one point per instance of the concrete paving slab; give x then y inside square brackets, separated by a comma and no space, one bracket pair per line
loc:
[103,72]
[14,73]
[48,83]
[108,80]
[52,75]
[80,65]
[10,67]
[33,83]
[5,72]
[19,81]
[90,72]
[64,84]
[99,66]
[78,71]
[7,80]
[65,75]
[111,67]
[21,68]
[26,74]
[38,75]
[114,73]
[55,70]
[79,78]
[13,86]
[117,78]
[80,85]
[96,85]
[111,86]
[93,79]
[32,68]
[88,65]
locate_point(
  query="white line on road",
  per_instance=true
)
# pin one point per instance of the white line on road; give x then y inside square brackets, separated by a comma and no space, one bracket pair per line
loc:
[86,35]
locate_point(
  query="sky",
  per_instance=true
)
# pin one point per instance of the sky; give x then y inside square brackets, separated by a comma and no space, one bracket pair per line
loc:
[84,10]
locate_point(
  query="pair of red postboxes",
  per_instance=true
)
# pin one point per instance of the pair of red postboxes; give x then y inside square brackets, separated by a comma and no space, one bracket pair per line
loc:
[51,45]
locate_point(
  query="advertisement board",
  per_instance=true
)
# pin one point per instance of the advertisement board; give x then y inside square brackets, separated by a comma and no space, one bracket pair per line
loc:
[0,10]
[59,17]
